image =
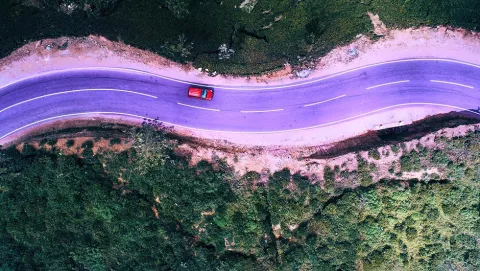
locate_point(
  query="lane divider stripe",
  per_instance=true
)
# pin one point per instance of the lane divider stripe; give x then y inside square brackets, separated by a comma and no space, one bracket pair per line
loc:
[197,107]
[341,96]
[450,83]
[391,83]
[77,90]
[262,111]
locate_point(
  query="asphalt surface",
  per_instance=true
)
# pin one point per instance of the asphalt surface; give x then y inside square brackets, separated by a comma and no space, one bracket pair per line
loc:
[350,94]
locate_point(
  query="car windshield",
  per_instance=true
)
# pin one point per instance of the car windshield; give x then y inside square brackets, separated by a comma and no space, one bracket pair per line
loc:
[204,93]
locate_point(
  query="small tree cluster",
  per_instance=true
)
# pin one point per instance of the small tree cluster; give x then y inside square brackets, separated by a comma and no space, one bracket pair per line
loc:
[151,145]
[178,8]
[224,52]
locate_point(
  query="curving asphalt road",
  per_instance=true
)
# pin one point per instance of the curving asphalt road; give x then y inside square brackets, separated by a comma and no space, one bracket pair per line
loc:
[318,102]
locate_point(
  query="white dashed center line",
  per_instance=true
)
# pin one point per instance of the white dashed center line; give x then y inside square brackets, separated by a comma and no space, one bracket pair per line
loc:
[391,83]
[197,107]
[263,111]
[450,83]
[341,96]
[75,91]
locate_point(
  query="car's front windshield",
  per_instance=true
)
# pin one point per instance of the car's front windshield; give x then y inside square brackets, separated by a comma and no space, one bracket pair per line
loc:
[204,93]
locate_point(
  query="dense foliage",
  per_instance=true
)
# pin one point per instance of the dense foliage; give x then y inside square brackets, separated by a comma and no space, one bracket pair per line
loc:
[224,36]
[114,212]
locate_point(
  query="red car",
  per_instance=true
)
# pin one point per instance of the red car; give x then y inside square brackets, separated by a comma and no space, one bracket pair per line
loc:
[200,92]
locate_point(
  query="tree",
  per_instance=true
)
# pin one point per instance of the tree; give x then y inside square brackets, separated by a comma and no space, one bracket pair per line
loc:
[179,8]
[91,7]
[150,145]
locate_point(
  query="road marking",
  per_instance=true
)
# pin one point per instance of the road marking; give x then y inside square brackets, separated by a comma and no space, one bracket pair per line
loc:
[353,70]
[450,83]
[262,111]
[129,70]
[73,115]
[197,107]
[391,83]
[341,96]
[77,90]
[240,132]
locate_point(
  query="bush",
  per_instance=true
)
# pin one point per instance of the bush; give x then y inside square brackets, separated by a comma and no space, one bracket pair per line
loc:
[391,170]
[115,141]
[70,143]
[52,142]
[375,154]
[365,171]
[28,149]
[410,162]
[87,144]
[329,179]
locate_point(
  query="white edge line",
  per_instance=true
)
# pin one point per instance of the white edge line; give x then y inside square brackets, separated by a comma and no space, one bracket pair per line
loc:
[72,115]
[338,97]
[73,91]
[262,111]
[240,132]
[197,107]
[391,83]
[239,87]
[450,83]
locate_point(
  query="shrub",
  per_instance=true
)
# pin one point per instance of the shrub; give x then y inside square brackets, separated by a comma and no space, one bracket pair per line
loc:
[329,178]
[115,141]
[410,162]
[375,154]
[87,144]
[70,143]
[28,150]
[52,141]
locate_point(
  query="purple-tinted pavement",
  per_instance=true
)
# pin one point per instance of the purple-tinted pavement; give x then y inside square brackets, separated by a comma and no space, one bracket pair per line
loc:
[240,109]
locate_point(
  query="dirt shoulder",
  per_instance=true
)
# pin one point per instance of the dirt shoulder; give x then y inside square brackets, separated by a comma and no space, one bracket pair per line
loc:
[64,53]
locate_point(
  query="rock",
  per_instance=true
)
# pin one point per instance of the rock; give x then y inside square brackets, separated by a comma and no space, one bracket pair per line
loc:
[352,52]
[303,73]
[248,5]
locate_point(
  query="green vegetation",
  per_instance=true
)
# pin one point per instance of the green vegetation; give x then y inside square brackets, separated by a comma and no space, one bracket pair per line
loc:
[115,141]
[375,154]
[219,35]
[70,143]
[52,142]
[147,209]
